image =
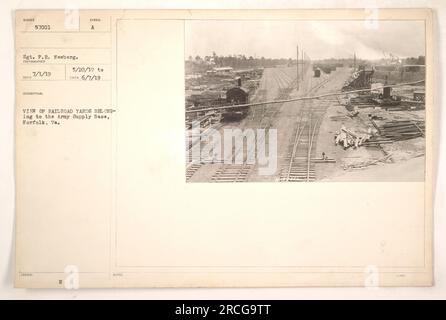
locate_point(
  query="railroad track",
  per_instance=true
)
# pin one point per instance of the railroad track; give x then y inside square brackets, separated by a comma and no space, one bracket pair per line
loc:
[191,169]
[232,173]
[261,118]
[299,165]
[194,162]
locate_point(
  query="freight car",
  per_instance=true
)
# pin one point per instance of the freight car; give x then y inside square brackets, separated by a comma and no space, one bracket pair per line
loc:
[204,98]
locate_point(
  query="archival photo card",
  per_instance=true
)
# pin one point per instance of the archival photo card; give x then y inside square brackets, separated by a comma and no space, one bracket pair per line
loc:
[305,101]
[131,126]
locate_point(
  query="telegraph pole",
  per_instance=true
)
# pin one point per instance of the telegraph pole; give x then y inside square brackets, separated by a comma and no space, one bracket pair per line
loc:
[303,65]
[297,67]
[354,61]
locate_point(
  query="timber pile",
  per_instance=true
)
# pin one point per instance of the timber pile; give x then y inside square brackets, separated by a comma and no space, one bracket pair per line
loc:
[406,105]
[360,100]
[377,141]
[398,130]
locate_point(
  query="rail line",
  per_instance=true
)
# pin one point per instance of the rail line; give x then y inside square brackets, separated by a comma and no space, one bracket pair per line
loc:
[299,166]
[260,120]
[195,161]
[231,173]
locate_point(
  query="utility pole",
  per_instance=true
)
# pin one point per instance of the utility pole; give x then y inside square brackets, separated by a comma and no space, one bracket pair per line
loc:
[303,65]
[354,61]
[297,67]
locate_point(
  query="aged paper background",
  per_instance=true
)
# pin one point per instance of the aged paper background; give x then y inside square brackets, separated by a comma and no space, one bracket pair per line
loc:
[115,196]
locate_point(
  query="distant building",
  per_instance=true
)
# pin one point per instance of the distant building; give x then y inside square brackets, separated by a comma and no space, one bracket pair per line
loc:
[222,70]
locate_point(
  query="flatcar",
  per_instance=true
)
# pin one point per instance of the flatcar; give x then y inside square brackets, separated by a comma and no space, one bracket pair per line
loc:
[236,96]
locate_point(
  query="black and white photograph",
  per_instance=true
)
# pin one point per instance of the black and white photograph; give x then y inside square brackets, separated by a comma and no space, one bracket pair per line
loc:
[305,100]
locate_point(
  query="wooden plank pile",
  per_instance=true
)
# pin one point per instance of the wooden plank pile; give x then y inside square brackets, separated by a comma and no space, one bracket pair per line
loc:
[398,130]
[377,141]
[406,105]
[361,100]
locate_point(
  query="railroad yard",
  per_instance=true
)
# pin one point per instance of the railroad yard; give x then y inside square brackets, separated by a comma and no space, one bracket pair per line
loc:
[332,125]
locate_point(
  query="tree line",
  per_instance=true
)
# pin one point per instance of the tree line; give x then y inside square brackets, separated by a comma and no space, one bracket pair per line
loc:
[237,61]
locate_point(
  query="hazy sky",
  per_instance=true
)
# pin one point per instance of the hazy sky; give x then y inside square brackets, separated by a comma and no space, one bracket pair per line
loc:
[320,39]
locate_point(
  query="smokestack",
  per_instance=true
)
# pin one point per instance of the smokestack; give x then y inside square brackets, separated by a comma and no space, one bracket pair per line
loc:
[387,92]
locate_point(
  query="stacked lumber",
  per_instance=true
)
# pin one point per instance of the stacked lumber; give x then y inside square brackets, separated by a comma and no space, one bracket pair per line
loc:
[366,105]
[361,101]
[377,141]
[398,130]
[406,105]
